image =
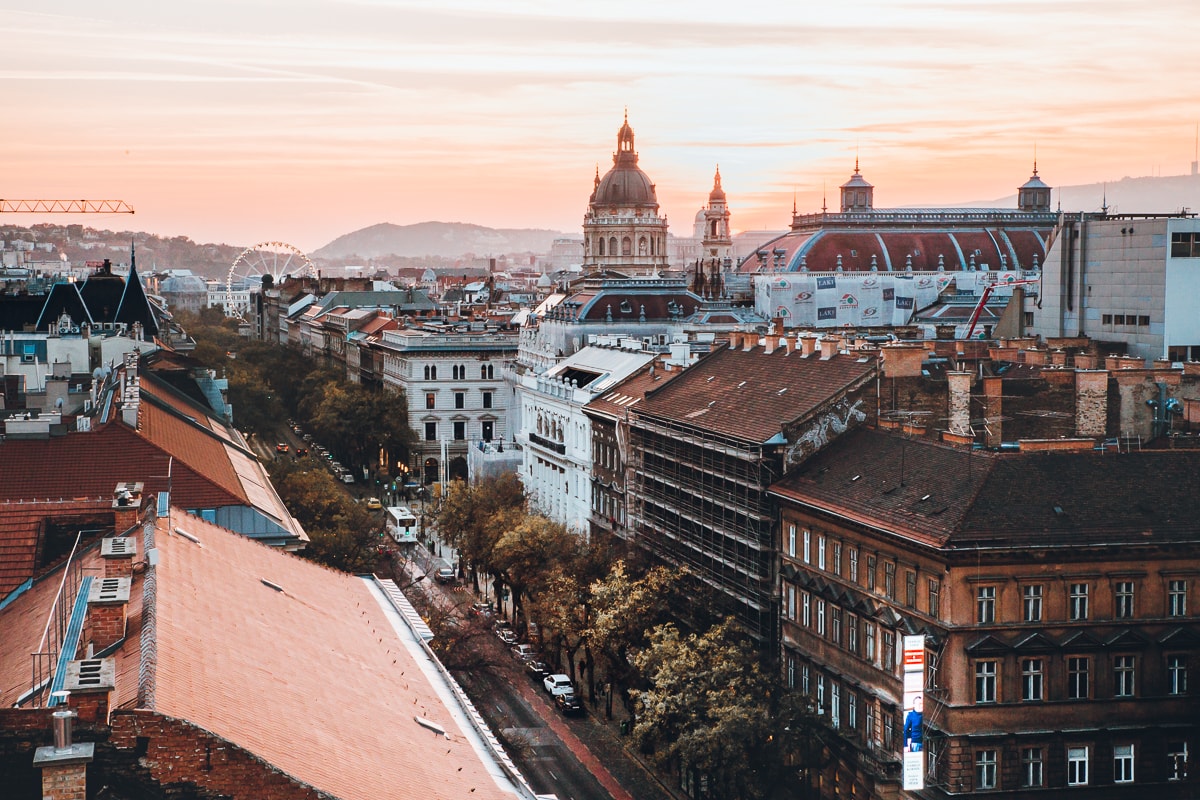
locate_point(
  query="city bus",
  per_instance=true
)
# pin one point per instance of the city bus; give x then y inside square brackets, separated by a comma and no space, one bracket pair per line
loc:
[402,525]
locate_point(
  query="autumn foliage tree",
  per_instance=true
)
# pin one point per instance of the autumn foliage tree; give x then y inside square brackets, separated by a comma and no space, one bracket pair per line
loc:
[712,711]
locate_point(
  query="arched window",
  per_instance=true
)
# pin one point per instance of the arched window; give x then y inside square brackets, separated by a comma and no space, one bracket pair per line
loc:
[626,246]
[642,246]
[612,245]
[601,245]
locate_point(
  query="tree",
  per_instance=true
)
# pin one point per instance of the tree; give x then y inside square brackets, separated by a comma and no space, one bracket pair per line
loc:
[526,554]
[623,609]
[342,534]
[712,711]
[472,518]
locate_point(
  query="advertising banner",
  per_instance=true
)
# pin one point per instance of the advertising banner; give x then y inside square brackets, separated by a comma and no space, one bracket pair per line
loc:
[914,713]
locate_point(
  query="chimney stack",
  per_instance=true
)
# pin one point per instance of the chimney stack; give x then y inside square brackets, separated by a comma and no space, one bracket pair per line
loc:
[790,343]
[1091,403]
[992,392]
[118,553]
[829,347]
[126,505]
[90,683]
[960,402]
[808,345]
[769,344]
[64,764]
[108,601]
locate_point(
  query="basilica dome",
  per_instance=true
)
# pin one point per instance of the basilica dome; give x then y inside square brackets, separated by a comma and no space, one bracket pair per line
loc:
[625,184]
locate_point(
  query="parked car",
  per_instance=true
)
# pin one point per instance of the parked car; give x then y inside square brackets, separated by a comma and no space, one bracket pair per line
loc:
[301,451]
[481,610]
[507,636]
[308,437]
[373,504]
[281,448]
[558,684]
[524,652]
[538,670]
[568,703]
[348,477]
[446,575]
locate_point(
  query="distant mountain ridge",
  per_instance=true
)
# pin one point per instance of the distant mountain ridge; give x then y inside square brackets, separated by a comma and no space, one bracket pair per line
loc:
[1160,194]
[445,239]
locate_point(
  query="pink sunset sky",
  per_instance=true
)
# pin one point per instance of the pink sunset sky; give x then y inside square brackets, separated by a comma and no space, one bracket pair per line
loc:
[301,120]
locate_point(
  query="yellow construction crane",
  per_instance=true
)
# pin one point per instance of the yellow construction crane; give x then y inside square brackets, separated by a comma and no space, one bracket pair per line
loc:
[65,207]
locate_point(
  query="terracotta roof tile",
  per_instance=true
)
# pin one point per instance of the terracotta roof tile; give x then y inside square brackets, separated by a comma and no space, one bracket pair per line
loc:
[23,524]
[942,494]
[749,394]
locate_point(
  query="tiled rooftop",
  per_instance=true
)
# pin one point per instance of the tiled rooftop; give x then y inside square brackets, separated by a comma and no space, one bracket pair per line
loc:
[748,394]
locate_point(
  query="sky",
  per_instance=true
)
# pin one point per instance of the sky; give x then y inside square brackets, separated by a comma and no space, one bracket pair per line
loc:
[302,120]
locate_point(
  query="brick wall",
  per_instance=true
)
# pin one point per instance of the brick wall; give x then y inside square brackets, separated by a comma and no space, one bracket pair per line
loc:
[1091,403]
[177,752]
[105,624]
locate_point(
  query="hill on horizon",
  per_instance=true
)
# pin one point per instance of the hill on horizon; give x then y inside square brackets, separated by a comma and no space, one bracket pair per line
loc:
[445,239]
[1162,194]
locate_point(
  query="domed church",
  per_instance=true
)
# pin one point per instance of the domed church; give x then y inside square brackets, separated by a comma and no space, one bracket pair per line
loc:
[622,230]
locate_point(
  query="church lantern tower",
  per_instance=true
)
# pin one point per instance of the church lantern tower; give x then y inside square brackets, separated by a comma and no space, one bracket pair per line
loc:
[717,241]
[857,194]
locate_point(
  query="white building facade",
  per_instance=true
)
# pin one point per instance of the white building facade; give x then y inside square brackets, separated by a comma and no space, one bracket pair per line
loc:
[454,384]
[556,434]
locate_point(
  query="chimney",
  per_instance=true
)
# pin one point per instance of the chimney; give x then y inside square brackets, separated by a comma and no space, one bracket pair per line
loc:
[808,345]
[1091,403]
[749,340]
[90,683]
[790,343]
[960,402]
[64,763]
[126,505]
[829,347]
[1058,358]
[769,344]
[735,340]
[1035,357]
[118,553]
[903,360]
[992,391]
[108,601]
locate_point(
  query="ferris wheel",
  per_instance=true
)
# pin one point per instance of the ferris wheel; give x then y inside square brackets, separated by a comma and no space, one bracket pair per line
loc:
[277,259]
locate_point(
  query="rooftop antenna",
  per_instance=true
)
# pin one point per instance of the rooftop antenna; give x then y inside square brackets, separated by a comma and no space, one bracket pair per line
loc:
[824,204]
[1104,202]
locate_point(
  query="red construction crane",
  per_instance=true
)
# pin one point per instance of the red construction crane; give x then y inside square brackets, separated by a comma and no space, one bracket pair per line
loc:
[65,207]
[987,292]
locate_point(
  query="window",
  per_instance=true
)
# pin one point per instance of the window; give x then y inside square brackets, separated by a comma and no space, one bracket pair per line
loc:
[460,399]
[1177,758]
[1077,766]
[854,564]
[1118,319]
[1106,319]
[1123,763]
[460,431]
[837,558]
[985,604]
[487,432]
[804,679]
[1031,767]
[835,705]
[851,710]
[871,573]
[835,632]
[1033,603]
[821,551]
[1177,674]
[1123,599]
[487,399]
[820,617]
[431,431]
[910,588]
[807,545]
[985,681]
[791,541]
[1079,601]
[1123,675]
[869,641]
[806,604]
[1032,678]
[889,729]
[791,672]
[985,769]
[934,598]
[430,372]
[889,651]
[791,602]
[1078,669]
[1143,321]
[430,401]
[820,693]
[1177,599]
[1185,245]
[852,633]
[486,372]
[889,580]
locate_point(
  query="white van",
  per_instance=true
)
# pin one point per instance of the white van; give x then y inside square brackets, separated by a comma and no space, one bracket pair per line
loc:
[401,524]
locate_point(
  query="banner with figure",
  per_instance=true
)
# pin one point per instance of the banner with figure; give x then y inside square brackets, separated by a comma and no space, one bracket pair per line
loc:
[914,713]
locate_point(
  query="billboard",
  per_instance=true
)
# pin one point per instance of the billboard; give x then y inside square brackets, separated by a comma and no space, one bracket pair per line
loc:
[914,712]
